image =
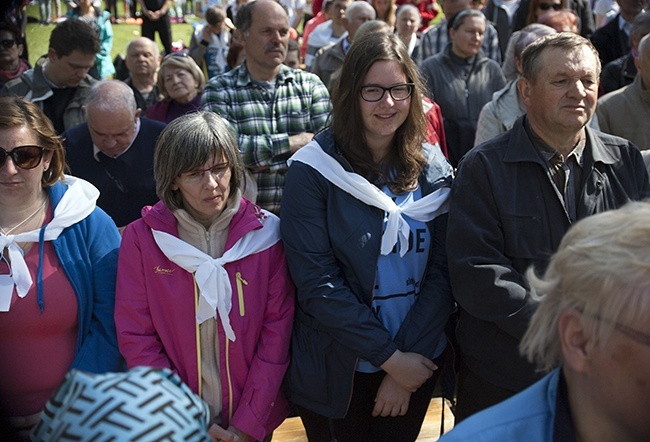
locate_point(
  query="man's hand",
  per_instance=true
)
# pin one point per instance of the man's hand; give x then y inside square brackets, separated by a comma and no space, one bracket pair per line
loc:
[410,370]
[299,140]
[392,400]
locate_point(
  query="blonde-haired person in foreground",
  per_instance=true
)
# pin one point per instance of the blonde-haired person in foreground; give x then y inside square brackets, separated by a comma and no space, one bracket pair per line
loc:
[592,332]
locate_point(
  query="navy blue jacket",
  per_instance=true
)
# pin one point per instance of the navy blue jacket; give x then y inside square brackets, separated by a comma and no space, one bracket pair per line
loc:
[125,183]
[332,243]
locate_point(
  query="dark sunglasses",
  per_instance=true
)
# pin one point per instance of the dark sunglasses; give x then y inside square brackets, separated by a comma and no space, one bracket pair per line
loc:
[8,43]
[25,157]
[547,6]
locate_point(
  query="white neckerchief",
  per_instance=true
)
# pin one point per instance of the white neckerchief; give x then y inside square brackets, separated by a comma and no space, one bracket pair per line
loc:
[76,204]
[212,279]
[424,210]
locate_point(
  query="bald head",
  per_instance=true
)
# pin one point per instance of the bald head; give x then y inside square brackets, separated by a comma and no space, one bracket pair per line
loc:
[112,116]
[643,61]
[356,14]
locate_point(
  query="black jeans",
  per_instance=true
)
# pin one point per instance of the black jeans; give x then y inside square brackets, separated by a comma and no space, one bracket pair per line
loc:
[163,26]
[358,425]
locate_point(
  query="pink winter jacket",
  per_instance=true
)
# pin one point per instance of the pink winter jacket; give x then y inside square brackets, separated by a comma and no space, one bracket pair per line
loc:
[156,325]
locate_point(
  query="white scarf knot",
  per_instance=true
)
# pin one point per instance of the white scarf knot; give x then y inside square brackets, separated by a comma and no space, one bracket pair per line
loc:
[215,291]
[76,204]
[424,210]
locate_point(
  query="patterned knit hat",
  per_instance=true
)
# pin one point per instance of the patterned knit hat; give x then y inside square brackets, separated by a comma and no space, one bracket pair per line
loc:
[143,404]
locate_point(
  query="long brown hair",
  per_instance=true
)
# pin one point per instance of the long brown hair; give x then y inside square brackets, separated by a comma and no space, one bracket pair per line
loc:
[405,161]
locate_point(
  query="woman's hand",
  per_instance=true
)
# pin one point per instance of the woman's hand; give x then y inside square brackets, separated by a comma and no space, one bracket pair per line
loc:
[410,370]
[232,434]
[392,400]
[220,434]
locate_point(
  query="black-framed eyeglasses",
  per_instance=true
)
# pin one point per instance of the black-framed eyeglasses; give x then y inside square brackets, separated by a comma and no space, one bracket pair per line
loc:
[25,157]
[547,6]
[8,43]
[398,92]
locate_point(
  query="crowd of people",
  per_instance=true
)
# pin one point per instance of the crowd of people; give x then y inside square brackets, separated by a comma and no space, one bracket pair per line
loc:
[328,210]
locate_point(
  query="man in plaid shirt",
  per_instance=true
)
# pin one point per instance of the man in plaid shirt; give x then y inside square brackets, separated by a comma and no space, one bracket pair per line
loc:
[275,110]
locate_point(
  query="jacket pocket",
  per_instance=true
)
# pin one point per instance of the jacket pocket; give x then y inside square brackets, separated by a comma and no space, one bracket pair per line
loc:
[522,236]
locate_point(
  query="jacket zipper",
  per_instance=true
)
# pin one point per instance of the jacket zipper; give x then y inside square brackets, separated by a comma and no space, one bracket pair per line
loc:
[240,292]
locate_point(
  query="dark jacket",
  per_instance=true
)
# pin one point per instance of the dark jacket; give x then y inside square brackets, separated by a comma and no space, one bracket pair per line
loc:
[332,243]
[126,183]
[610,41]
[617,74]
[506,216]
[461,98]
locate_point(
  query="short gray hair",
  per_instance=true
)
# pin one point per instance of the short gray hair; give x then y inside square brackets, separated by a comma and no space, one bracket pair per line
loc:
[187,143]
[602,269]
[358,5]
[154,46]
[408,7]
[111,95]
[531,57]
[180,60]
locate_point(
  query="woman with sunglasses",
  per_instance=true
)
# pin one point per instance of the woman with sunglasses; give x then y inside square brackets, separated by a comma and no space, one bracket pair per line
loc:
[363,223]
[203,286]
[12,65]
[57,268]
[538,8]
[180,82]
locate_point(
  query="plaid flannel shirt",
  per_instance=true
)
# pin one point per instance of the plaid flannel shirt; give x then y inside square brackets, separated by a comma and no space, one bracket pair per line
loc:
[263,124]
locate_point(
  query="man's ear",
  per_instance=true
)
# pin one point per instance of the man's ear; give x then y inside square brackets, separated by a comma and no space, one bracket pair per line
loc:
[20,49]
[138,111]
[524,88]
[575,340]
[52,55]
[241,37]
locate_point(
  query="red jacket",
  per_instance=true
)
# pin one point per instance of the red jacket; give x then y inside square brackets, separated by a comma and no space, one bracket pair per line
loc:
[156,325]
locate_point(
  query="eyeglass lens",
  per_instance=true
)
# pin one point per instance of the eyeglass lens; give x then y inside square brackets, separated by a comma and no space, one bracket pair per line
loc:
[25,157]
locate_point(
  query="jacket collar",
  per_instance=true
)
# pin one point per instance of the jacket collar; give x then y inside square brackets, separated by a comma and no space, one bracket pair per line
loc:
[521,149]
[247,218]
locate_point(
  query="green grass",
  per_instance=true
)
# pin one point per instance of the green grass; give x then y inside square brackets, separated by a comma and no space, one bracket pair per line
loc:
[38,36]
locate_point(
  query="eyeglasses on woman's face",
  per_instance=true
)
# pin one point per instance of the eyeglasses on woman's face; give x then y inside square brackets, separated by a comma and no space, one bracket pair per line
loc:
[398,92]
[218,171]
[25,157]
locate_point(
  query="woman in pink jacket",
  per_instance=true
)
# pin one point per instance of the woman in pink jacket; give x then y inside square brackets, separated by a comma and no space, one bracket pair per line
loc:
[202,285]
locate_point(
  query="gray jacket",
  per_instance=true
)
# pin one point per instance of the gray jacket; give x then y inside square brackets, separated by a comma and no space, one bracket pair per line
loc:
[33,86]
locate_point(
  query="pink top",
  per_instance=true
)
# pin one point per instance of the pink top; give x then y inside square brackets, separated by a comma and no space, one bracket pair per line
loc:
[37,348]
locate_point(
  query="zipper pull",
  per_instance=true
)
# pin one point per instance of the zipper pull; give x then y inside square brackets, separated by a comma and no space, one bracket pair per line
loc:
[240,292]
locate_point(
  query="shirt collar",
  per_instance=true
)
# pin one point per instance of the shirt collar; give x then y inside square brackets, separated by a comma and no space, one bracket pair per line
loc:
[563,427]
